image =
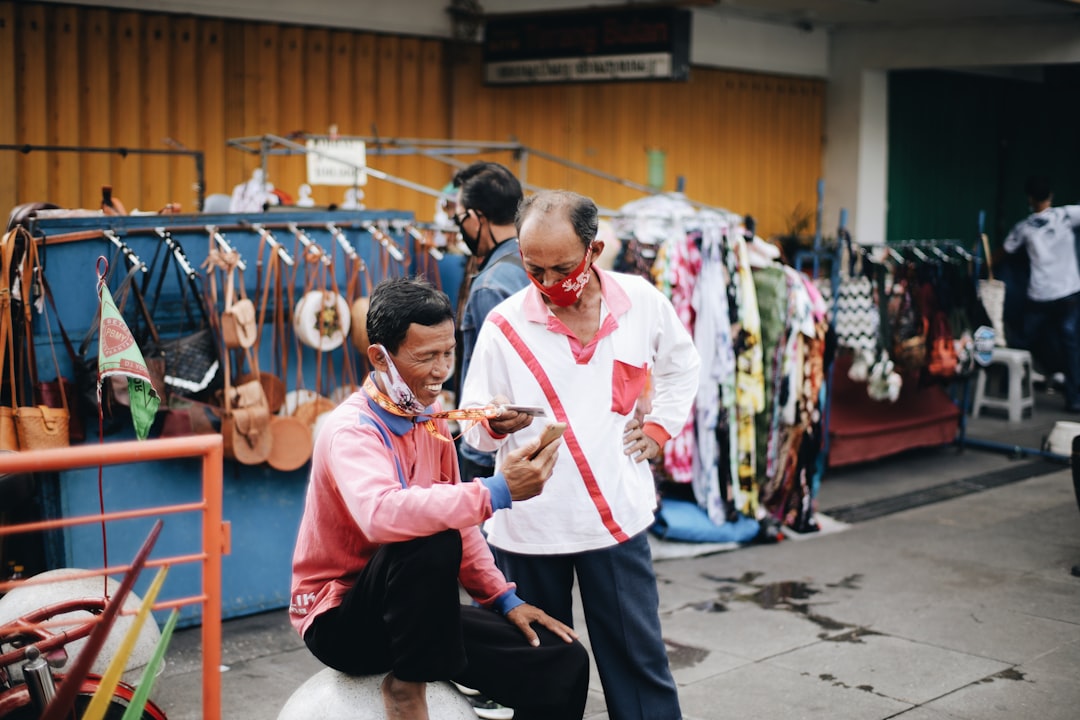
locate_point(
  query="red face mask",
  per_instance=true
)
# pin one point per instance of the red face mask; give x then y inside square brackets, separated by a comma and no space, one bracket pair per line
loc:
[567,291]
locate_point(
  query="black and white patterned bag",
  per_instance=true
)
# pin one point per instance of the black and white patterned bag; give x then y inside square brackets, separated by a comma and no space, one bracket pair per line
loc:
[857,317]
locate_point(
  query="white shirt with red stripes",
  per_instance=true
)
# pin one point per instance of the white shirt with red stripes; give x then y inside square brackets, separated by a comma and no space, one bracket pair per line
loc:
[642,355]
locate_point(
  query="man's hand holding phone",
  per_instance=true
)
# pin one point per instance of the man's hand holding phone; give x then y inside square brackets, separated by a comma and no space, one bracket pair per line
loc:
[511,418]
[528,468]
[550,434]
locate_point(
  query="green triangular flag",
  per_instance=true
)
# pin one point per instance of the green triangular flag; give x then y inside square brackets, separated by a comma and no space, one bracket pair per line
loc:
[118,354]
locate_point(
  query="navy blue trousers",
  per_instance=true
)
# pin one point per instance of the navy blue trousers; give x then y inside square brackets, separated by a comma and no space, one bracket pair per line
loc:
[1059,319]
[404,614]
[621,605]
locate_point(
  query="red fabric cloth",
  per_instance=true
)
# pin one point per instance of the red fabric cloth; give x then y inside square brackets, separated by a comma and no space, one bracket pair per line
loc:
[862,429]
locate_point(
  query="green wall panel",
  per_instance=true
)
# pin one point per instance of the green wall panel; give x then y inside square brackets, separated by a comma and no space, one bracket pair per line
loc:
[961,143]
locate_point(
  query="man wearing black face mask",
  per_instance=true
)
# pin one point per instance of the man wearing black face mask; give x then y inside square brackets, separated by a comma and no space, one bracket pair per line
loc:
[487,199]
[486,203]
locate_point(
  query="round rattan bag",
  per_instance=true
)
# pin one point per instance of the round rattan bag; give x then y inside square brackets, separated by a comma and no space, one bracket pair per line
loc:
[293,443]
[321,319]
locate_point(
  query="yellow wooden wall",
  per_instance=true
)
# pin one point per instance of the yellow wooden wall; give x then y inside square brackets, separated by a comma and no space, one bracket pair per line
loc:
[98,77]
[747,142]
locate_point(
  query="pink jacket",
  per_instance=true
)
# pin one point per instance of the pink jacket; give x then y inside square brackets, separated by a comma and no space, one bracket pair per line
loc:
[356,503]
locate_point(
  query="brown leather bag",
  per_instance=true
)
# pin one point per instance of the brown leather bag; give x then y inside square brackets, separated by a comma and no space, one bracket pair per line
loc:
[35,426]
[245,425]
[239,328]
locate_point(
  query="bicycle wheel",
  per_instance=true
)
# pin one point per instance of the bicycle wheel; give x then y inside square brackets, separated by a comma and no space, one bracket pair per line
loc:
[15,703]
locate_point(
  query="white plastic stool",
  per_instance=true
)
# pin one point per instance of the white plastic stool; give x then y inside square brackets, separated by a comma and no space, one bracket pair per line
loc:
[1020,394]
[330,695]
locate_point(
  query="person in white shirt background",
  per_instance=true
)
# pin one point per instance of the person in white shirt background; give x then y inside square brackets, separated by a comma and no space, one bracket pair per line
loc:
[606,354]
[1053,292]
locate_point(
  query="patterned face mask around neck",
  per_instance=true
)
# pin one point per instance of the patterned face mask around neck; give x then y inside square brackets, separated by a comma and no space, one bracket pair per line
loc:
[395,386]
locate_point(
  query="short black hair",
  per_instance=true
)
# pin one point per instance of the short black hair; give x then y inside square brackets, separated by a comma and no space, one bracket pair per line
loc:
[578,209]
[491,189]
[1037,188]
[397,303]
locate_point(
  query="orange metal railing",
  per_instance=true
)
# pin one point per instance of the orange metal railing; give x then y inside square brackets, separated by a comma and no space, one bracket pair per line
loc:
[215,534]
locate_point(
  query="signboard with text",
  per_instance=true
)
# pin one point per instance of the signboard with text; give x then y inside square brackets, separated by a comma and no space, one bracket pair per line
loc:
[336,162]
[595,45]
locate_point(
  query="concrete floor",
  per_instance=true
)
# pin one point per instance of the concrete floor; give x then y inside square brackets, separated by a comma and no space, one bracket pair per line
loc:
[948,595]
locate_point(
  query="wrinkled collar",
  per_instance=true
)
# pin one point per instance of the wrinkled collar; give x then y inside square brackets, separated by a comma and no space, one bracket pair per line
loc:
[506,247]
[398,424]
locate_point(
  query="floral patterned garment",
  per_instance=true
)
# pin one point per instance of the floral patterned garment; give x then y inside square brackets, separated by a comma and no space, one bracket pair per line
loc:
[678,279]
[749,381]
[712,336]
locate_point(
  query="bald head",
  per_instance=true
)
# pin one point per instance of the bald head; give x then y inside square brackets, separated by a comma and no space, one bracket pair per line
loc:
[560,205]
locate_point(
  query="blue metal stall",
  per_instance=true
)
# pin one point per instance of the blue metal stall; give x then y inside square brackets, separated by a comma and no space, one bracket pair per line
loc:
[263,505]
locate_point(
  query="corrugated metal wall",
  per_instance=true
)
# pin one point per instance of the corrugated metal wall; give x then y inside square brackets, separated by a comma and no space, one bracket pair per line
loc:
[87,76]
[751,143]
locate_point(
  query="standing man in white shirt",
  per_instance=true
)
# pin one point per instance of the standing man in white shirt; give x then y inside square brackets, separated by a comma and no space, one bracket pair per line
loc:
[606,354]
[1053,294]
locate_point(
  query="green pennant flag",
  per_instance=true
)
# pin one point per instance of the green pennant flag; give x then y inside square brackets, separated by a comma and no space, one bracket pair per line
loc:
[119,355]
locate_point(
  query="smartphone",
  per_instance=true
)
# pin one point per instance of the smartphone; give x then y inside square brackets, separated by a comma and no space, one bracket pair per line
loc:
[534,410]
[550,434]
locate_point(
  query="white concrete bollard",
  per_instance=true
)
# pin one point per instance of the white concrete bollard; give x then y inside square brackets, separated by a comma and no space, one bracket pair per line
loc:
[27,598]
[331,695]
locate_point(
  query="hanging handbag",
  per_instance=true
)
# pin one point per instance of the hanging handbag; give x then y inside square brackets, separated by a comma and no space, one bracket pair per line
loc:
[61,392]
[991,293]
[943,356]
[35,427]
[193,367]
[292,438]
[239,328]
[321,317]
[272,382]
[854,308]
[9,438]
[909,329]
[245,424]
[40,427]
[245,421]
[308,405]
[43,426]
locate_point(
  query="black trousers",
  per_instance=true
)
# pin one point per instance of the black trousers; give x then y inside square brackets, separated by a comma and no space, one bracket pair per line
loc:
[404,615]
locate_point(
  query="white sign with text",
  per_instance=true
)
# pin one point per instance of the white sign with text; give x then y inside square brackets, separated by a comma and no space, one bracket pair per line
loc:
[336,162]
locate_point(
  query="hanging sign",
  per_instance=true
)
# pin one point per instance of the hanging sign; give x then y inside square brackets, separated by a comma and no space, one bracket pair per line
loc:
[336,162]
[594,45]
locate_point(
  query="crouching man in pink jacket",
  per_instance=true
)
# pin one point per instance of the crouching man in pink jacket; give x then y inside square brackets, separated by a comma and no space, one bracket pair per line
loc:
[389,532]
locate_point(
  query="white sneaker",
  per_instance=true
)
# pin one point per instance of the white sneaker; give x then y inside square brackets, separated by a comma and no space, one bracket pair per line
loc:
[465,690]
[489,709]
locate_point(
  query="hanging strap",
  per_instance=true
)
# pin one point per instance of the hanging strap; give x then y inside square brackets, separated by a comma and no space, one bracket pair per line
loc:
[358,271]
[7,340]
[986,251]
[37,277]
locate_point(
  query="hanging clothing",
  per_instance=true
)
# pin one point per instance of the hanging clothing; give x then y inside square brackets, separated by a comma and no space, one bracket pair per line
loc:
[749,379]
[712,336]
